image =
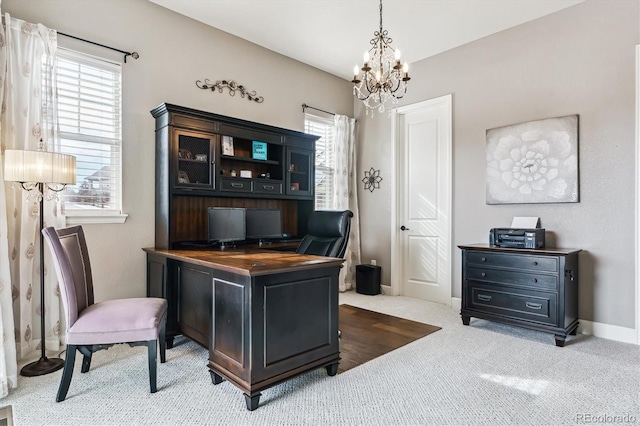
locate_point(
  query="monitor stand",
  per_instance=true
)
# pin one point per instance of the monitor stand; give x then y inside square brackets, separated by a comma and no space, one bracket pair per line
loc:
[227,245]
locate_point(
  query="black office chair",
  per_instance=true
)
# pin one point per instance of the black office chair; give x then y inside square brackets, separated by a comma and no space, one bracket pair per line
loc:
[328,233]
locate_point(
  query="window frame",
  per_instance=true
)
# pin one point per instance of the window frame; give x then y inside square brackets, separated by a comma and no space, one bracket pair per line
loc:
[114,215]
[328,123]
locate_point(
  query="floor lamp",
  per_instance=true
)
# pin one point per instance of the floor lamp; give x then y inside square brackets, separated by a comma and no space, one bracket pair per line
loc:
[40,170]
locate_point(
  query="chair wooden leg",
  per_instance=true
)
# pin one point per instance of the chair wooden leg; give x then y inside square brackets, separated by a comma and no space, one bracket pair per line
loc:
[67,373]
[86,362]
[163,343]
[153,349]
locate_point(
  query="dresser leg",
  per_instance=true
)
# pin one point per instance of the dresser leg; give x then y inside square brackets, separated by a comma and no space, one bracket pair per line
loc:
[252,401]
[465,319]
[332,369]
[560,340]
[216,379]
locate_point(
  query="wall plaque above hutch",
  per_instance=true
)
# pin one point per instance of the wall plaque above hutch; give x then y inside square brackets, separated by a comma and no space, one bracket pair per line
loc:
[196,169]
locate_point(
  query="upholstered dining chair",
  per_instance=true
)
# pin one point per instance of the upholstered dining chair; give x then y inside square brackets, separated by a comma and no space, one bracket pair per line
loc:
[93,326]
[328,233]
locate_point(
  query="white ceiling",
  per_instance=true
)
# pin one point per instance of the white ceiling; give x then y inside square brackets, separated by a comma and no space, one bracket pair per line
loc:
[332,35]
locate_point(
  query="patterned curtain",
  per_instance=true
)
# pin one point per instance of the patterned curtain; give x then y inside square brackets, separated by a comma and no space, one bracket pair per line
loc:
[28,115]
[346,195]
[8,362]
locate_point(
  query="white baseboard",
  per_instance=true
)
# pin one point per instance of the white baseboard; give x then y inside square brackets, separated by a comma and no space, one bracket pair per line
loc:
[386,289]
[456,303]
[605,331]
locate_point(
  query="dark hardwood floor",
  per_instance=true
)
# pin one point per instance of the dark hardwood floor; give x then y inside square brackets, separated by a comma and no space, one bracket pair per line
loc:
[366,335]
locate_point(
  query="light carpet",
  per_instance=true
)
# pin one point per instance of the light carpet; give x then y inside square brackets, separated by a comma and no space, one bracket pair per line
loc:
[483,374]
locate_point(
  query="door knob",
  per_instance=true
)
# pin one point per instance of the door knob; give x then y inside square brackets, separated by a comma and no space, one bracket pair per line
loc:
[404,228]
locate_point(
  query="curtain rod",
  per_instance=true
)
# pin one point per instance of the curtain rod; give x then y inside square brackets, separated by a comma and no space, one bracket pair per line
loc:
[134,55]
[305,106]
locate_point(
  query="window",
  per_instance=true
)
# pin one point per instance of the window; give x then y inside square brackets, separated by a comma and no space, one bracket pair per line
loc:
[325,160]
[90,120]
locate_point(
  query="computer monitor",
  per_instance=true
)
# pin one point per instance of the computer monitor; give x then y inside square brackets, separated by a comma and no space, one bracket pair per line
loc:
[226,225]
[264,224]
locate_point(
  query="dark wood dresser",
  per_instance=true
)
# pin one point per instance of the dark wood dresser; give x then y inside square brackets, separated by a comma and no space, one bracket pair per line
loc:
[532,288]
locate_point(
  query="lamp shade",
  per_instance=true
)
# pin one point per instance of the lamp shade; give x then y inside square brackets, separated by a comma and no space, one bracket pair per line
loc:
[39,166]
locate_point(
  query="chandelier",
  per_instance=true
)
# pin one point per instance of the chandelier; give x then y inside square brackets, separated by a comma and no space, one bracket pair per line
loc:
[382,76]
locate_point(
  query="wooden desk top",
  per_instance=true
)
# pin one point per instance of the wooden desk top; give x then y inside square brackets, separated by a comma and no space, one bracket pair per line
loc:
[250,262]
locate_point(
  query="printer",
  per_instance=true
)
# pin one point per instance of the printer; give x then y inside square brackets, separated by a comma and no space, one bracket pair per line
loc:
[517,238]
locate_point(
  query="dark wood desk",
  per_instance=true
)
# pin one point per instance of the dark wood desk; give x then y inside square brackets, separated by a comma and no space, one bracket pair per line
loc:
[265,316]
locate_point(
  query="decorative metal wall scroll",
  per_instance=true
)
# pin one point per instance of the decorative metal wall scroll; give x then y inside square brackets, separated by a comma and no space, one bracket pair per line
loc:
[371,179]
[233,87]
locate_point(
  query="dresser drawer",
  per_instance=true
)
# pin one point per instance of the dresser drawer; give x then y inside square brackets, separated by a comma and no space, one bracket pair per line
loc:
[267,187]
[539,307]
[513,261]
[511,278]
[237,185]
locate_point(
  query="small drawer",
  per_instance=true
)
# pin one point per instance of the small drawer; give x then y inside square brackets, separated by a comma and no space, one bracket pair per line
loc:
[193,123]
[511,278]
[267,187]
[513,261]
[237,185]
[540,307]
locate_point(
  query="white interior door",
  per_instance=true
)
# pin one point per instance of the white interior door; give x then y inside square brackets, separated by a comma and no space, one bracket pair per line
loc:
[422,225]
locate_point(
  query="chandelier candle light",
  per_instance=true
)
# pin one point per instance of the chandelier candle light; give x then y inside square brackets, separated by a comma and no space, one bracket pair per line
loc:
[383,75]
[40,170]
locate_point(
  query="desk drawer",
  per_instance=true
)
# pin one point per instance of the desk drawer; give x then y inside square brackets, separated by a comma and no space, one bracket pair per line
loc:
[520,279]
[267,187]
[540,307]
[237,185]
[513,261]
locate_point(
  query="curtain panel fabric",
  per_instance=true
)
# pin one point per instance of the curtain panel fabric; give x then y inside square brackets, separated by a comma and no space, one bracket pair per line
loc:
[346,193]
[8,362]
[28,115]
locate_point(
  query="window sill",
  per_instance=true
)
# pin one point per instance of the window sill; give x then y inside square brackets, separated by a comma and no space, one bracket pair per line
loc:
[88,219]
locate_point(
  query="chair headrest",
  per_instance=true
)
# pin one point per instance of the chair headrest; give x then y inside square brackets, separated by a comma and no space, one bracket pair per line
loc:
[327,223]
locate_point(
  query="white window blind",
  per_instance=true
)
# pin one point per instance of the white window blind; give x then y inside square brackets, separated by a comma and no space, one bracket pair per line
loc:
[90,120]
[325,160]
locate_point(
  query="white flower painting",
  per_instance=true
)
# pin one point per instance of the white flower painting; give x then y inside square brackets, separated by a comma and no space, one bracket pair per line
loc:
[534,162]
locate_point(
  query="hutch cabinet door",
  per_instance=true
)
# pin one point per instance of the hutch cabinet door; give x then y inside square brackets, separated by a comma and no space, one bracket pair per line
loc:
[300,172]
[194,159]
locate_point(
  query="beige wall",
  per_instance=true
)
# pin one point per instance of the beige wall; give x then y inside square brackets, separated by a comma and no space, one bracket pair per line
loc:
[174,52]
[578,61]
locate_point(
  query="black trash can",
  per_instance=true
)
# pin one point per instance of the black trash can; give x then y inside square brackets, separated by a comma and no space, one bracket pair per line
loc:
[368,279]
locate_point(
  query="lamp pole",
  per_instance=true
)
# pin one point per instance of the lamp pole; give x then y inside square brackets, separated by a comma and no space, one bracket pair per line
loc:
[44,365]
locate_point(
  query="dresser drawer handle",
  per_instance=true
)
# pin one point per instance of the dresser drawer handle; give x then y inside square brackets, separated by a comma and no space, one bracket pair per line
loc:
[535,263]
[535,280]
[268,187]
[484,297]
[483,259]
[237,185]
[483,274]
[533,305]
